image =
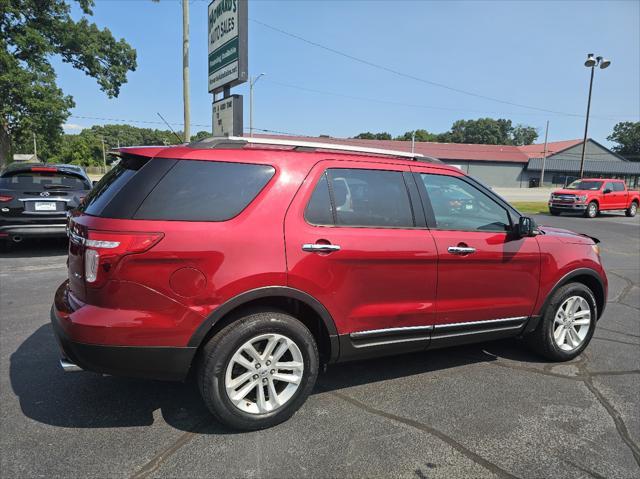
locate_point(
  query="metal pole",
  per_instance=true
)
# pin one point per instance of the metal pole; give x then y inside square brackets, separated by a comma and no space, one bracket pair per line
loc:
[104,156]
[586,124]
[544,155]
[185,70]
[35,146]
[413,142]
[251,107]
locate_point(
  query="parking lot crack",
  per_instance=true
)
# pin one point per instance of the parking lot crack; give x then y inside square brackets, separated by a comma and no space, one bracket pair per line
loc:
[154,464]
[495,469]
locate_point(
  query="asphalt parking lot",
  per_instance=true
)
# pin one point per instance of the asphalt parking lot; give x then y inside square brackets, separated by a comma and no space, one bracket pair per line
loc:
[486,410]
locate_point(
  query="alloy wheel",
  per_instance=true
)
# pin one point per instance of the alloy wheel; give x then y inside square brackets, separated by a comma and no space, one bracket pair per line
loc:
[593,210]
[571,323]
[264,373]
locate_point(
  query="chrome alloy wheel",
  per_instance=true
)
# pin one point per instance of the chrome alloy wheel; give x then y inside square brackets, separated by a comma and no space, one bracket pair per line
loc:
[633,209]
[572,322]
[593,210]
[264,373]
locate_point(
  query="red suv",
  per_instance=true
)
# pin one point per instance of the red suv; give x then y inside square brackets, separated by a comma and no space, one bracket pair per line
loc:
[252,263]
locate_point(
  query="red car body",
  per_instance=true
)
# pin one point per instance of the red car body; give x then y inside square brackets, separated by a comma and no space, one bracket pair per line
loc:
[174,283]
[605,194]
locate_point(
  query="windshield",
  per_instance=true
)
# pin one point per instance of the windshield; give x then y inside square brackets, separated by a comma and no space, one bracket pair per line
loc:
[585,185]
[29,181]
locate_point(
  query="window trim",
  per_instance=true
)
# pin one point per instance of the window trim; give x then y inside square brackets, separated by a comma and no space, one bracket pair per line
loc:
[430,215]
[415,211]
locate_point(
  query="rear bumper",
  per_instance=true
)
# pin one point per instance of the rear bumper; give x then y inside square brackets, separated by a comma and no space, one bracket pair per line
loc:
[150,362]
[29,231]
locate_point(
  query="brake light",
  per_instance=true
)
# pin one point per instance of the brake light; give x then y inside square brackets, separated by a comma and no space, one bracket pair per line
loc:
[104,249]
[5,198]
[43,169]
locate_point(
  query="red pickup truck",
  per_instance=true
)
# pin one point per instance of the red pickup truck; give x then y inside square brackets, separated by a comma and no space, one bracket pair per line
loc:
[589,196]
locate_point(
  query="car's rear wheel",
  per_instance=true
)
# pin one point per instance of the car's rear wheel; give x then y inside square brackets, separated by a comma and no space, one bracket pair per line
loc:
[592,210]
[567,324]
[554,212]
[258,371]
[632,209]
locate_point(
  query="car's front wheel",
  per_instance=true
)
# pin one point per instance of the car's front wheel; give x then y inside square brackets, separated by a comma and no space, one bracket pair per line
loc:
[554,212]
[567,324]
[592,210]
[256,372]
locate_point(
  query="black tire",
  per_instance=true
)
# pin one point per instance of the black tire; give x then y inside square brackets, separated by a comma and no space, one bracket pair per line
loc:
[554,212]
[632,209]
[542,341]
[592,210]
[219,350]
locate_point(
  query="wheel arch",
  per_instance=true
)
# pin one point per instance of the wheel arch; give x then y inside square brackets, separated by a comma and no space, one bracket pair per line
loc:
[299,304]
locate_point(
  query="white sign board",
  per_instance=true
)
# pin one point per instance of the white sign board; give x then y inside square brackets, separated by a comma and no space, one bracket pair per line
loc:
[227,21]
[227,116]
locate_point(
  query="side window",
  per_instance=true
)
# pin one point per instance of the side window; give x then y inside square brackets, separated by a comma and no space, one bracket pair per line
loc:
[196,190]
[618,186]
[457,205]
[319,210]
[609,186]
[357,197]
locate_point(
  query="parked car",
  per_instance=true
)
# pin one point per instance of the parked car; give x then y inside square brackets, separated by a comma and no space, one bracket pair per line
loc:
[251,263]
[590,196]
[35,199]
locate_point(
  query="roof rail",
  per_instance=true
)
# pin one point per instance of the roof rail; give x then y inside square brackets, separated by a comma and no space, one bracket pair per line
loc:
[231,142]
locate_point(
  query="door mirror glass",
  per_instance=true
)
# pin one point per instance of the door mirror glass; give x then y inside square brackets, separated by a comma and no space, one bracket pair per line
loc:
[526,227]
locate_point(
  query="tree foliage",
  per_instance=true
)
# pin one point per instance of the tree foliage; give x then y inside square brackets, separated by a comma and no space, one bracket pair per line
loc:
[31,33]
[485,131]
[627,136]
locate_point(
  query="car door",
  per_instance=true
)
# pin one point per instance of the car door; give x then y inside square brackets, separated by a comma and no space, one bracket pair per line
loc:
[487,277]
[608,199]
[620,195]
[356,240]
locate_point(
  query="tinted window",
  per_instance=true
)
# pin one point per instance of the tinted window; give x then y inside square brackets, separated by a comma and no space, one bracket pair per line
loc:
[28,181]
[457,205]
[204,191]
[372,198]
[609,186]
[318,210]
[618,187]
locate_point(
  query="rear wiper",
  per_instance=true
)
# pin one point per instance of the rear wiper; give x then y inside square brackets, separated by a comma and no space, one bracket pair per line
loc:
[56,187]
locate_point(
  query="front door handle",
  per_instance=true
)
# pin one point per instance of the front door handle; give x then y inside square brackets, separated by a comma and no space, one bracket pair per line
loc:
[461,250]
[320,248]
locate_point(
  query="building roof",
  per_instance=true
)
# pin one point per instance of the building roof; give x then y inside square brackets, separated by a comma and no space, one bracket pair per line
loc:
[609,167]
[553,147]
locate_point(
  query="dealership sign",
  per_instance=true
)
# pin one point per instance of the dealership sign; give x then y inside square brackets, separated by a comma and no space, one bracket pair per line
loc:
[227,44]
[227,116]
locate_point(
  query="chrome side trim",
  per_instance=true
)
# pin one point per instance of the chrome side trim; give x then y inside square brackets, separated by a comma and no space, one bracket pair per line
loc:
[454,334]
[371,333]
[444,327]
[390,341]
[46,198]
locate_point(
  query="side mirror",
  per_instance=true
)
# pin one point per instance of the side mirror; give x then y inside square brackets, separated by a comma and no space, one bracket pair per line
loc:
[606,191]
[525,227]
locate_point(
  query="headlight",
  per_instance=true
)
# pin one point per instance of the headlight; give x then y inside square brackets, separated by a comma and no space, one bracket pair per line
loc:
[582,198]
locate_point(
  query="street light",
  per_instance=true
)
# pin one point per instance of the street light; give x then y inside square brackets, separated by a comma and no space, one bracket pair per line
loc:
[591,62]
[252,81]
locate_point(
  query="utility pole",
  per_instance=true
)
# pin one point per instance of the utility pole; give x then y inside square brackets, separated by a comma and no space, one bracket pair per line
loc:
[413,142]
[544,155]
[104,156]
[185,70]
[252,81]
[35,146]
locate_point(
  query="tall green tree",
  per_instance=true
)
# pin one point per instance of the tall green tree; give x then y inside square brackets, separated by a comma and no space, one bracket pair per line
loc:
[373,136]
[421,135]
[627,136]
[31,33]
[489,131]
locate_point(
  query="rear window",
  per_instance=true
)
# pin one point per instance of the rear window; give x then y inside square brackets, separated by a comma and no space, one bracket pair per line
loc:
[180,190]
[31,181]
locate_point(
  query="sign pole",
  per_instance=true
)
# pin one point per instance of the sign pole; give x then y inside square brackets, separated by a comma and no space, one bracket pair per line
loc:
[185,71]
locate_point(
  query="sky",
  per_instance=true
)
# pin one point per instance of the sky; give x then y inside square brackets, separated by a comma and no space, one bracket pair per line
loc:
[529,53]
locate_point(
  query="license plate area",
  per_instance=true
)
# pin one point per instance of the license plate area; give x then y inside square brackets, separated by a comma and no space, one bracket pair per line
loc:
[45,206]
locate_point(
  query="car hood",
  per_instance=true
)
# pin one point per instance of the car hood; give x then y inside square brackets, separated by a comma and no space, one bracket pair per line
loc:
[573,192]
[567,236]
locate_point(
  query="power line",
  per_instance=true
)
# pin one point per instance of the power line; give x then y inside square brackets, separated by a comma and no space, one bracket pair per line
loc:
[409,75]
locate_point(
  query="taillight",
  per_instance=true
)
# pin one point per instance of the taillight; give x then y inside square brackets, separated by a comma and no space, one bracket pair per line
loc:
[104,249]
[5,198]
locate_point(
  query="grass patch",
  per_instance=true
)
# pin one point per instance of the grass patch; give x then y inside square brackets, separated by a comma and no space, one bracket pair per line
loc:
[531,207]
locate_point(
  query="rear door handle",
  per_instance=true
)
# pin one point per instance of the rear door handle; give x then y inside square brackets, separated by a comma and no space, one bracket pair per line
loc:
[320,248]
[461,250]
